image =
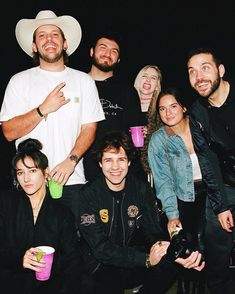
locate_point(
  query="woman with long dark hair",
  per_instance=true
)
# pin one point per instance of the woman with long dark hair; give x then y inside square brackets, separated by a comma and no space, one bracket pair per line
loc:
[29,217]
[183,177]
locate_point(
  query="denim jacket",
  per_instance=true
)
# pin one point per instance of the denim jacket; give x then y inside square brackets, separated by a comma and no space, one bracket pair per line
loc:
[172,171]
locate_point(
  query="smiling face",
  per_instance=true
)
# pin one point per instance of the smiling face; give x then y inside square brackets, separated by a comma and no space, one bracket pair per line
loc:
[30,178]
[115,166]
[149,82]
[170,111]
[105,55]
[49,43]
[204,74]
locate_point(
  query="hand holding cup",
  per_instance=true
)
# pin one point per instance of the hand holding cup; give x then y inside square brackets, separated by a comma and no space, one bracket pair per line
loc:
[45,255]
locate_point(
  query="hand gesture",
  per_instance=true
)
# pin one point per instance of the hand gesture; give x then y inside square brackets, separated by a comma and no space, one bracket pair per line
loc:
[54,100]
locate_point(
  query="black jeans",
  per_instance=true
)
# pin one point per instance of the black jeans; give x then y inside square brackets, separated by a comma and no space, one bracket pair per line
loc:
[113,280]
[220,244]
[192,216]
[193,219]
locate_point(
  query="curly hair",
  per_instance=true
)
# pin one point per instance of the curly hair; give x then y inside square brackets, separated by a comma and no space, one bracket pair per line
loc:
[115,140]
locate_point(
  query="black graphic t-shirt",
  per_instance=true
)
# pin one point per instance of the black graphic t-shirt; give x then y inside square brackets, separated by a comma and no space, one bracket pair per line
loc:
[121,106]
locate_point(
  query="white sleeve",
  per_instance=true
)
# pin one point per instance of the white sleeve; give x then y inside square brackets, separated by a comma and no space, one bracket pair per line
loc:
[13,102]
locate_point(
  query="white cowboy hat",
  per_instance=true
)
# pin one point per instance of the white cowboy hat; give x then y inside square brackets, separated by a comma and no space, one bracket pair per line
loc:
[25,29]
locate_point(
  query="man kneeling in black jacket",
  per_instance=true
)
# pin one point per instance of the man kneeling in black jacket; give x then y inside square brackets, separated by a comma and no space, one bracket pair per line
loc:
[122,242]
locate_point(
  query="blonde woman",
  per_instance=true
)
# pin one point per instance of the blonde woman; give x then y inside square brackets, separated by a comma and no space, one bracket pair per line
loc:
[148,85]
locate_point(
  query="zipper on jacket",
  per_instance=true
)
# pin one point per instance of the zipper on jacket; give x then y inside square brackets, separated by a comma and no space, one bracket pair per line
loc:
[111,225]
[123,228]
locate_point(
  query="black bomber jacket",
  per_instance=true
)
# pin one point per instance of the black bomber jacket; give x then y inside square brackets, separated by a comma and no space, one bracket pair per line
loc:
[97,210]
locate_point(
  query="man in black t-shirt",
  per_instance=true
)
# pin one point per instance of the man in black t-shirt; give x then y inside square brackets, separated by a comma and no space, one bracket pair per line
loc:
[119,98]
[215,111]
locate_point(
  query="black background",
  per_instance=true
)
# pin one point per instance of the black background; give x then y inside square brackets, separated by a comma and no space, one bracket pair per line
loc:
[156,32]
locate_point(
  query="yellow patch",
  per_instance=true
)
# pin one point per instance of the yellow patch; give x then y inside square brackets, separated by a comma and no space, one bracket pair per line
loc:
[104,215]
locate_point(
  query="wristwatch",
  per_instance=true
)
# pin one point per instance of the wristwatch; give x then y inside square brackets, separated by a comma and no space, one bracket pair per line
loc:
[74,158]
[147,262]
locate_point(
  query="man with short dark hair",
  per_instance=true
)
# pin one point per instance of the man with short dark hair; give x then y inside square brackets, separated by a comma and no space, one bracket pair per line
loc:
[215,111]
[118,97]
[122,243]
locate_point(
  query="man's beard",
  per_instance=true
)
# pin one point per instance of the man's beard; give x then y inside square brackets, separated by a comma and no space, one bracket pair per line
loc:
[102,66]
[214,86]
[51,60]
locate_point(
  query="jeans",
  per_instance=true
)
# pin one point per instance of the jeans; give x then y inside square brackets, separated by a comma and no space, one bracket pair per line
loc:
[113,280]
[220,244]
[192,217]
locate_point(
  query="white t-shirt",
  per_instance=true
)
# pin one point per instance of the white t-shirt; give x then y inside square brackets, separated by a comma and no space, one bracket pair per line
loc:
[197,175]
[26,90]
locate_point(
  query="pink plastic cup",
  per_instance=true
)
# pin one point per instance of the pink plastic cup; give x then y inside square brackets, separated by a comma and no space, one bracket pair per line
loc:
[137,136]
[45,272]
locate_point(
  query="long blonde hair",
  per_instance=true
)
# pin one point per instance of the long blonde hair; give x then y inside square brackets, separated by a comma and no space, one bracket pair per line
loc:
[152,106]
[153,119]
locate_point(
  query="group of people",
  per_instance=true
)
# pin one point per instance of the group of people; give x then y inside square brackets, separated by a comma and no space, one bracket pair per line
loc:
[73,127]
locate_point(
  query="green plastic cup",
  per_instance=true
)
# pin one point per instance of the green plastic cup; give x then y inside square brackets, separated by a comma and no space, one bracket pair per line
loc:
[56,190]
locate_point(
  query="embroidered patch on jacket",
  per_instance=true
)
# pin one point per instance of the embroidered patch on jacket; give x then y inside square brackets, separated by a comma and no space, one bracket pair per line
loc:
[132,211]
[87,219]
[104,215]
[131,223]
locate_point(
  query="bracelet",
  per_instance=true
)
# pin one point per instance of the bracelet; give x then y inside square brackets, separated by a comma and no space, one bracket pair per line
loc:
[40,114]
[147,262]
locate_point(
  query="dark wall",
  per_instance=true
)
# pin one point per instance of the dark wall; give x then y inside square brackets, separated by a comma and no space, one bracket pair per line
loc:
[156,32]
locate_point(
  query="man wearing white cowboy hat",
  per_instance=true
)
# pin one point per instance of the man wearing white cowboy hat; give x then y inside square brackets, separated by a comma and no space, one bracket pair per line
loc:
[51,102]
